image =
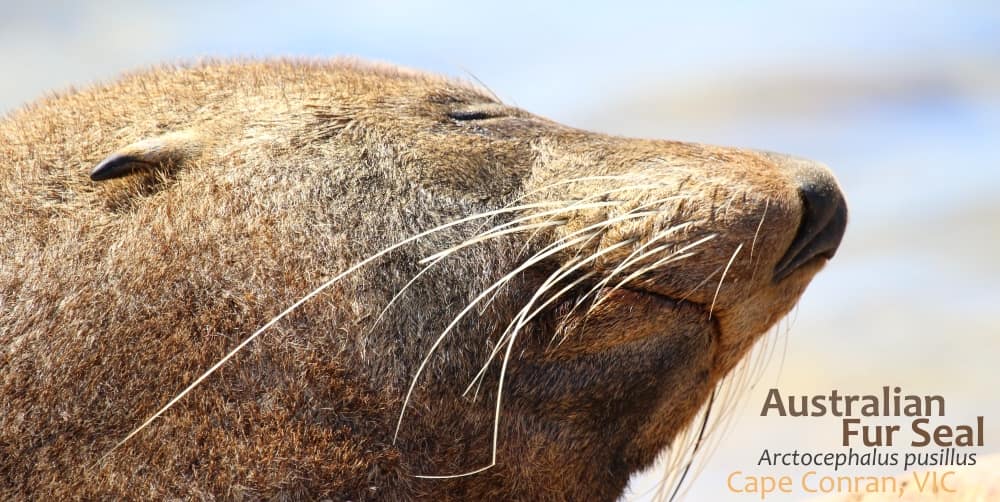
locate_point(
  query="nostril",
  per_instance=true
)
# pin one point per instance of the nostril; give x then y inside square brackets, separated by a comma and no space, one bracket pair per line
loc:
[824,219]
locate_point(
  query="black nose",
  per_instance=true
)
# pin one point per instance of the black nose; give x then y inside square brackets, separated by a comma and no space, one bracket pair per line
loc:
[824,218]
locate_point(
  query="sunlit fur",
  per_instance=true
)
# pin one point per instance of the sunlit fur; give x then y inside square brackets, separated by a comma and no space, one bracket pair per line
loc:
[439,284]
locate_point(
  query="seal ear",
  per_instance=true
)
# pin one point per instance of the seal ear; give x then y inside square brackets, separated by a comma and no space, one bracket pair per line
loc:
[170,148]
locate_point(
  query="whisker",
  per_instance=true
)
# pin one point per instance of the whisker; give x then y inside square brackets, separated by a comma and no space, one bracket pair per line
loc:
[522,319]
[632,257]
[481,83]
[634,213]
[501,230]
[575,205]
[500,339]
[658,236]
[544,253]
[669,259]
[550,186]
[577,180]
[500,385]
[299,303]
[477,379]
[759,226]
[732,394]
[513,338]
[503,370]
[503,280]
[723,278]
[399,294]
[680,449]
[674,257]
[701,436]
[784,350]
[638,255]
[753,266]
[492,463]
[531,238]
[609,192]
[555,247]
[746,375]
[437,257]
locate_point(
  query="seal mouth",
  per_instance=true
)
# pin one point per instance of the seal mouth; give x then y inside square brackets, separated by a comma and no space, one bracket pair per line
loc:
[604,293]
[671,301]
[666,300]
[808,268]
[665,303]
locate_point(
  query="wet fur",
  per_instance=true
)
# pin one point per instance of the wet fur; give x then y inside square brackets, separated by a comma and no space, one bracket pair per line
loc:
[116,295]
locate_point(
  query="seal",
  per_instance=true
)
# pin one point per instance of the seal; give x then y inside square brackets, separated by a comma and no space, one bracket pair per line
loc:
[333,279]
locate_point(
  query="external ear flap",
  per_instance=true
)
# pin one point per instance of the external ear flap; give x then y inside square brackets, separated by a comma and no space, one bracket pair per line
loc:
[170,148]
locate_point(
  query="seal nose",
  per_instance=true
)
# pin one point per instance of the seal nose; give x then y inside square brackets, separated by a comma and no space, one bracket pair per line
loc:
[824,219]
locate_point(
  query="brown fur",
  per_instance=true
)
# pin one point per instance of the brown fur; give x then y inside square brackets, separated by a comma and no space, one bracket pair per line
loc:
[115,295]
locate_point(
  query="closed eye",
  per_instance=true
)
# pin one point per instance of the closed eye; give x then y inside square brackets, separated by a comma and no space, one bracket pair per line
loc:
[479,112]
[466,115]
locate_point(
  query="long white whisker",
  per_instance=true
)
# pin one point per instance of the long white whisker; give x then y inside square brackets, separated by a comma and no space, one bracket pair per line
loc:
[638,254]
[609,192]
[683,251]
[503,375]
[400,293]
[753,267]
[694,451]
[531,238]
[555,247]
[702,283]
[596,226]
[503,230]
[493,462]
[503,280]
[496,426]
[498,230]
[575,206]
[723,278]
[629,215]
[564,182]
[523,318]
[477,379]
[660,235]
[296,305]
[671,258]
[763,214]
[437,257]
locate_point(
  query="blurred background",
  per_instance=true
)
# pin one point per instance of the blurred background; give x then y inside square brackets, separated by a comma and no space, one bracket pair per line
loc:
[901,99]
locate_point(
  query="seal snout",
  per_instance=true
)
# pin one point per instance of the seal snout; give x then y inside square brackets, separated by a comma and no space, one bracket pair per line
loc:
[824,219]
